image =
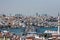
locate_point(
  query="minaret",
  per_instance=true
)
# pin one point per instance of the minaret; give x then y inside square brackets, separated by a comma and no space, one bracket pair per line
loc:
[58,23]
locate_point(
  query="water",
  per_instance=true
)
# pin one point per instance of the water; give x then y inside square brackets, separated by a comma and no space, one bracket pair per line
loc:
[39,30]
[42,29]
[17,30]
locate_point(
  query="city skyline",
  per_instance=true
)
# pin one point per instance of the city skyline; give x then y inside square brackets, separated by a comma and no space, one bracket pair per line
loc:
[30,7]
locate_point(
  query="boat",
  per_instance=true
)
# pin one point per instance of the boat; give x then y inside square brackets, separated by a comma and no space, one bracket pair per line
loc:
[31,32]
[49,31]
[5,31]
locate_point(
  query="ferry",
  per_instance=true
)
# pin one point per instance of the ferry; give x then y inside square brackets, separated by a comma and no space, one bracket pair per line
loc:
[49,31]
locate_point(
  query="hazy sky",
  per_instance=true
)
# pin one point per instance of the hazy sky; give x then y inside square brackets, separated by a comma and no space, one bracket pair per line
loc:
[30,7]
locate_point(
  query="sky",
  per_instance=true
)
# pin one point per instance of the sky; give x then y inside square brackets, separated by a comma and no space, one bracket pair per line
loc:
[30,7]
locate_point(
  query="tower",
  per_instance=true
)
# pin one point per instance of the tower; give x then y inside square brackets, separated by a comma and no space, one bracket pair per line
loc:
[58,23]
[37,14]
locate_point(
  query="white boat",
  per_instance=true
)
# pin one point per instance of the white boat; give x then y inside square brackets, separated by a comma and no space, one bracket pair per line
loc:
[32,32]
[5,31]
[49,31]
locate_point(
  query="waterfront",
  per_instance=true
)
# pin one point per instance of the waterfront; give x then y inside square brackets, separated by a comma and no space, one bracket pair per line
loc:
[14,27]
[39,30]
